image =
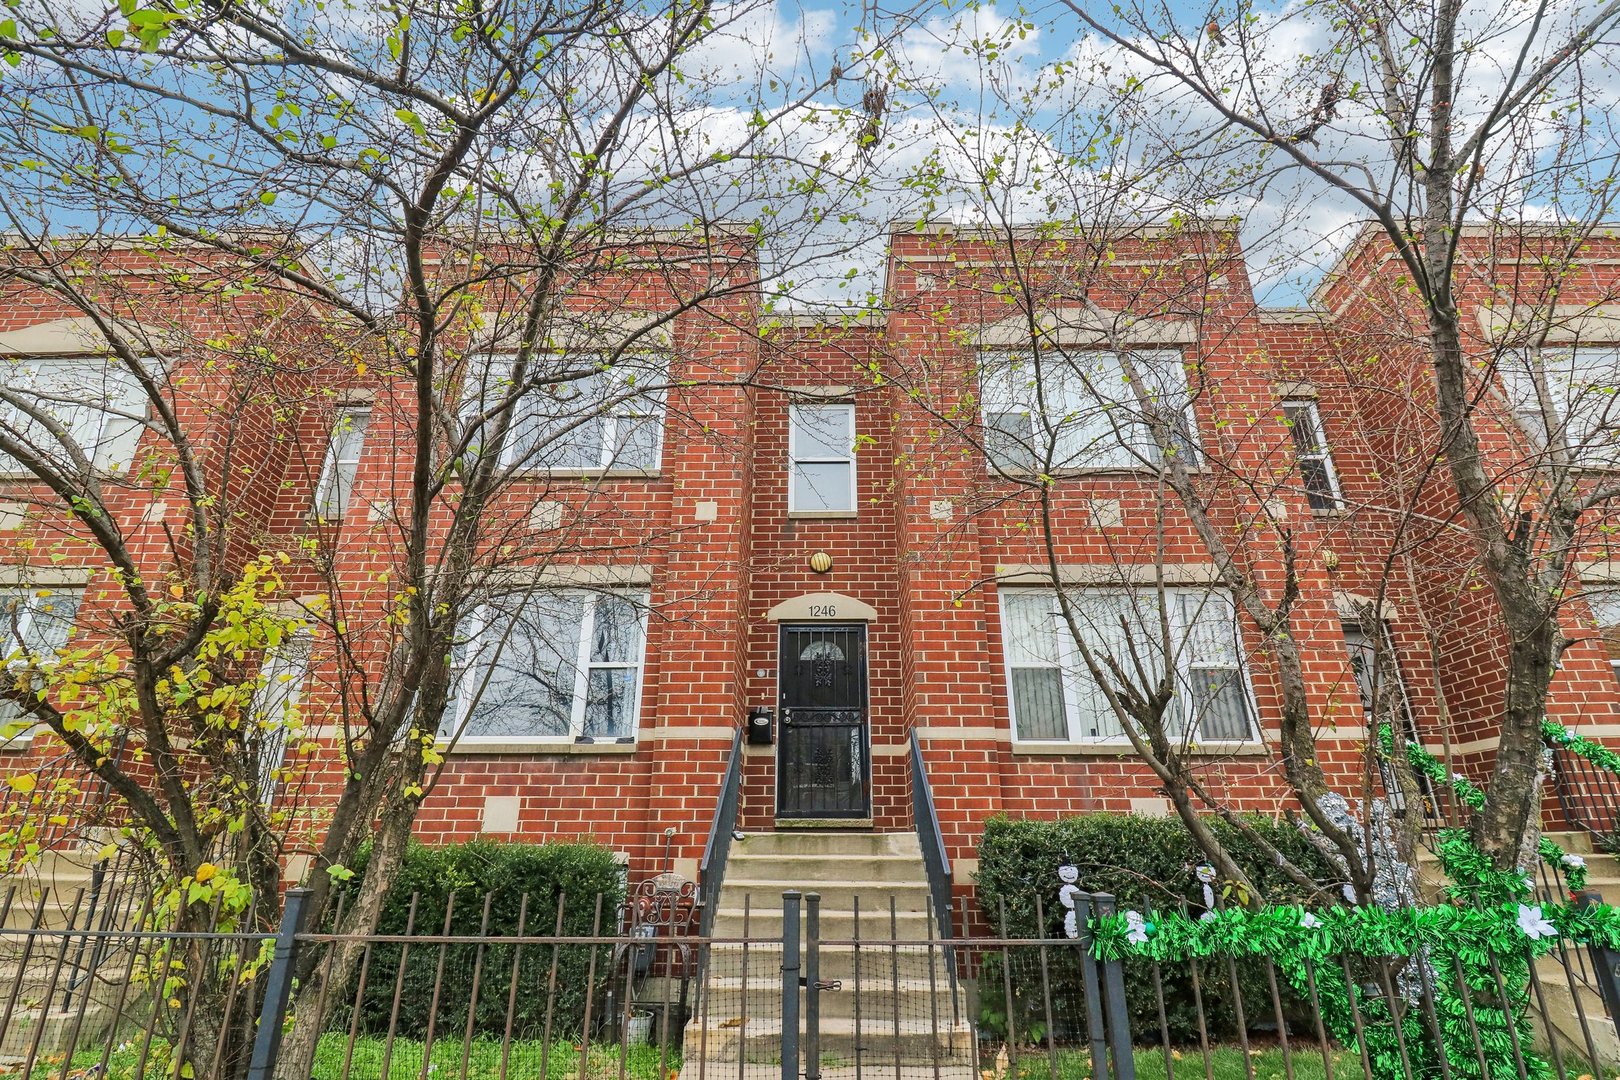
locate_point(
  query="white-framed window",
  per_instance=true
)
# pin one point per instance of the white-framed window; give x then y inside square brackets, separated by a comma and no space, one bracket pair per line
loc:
[342,463]
[35,623]
[1055,699]
[1605,607]
[548,666]
[95,401]
[275,706]
[1581,390]
[1316,467]
[1075,409]
[821,458]
[587,412]
[1363,648]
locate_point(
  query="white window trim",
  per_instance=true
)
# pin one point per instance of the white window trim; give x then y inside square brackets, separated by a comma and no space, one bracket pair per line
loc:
[297,664]
[990,358]
[795,460]
[332,463]
[1071,669]
[1527,411]
[102,462]
[23,739]
[635,407]
[464,688]
[1373,649]
[1323,453]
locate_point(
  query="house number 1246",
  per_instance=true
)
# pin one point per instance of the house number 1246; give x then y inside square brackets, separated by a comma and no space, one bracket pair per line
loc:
[824,611]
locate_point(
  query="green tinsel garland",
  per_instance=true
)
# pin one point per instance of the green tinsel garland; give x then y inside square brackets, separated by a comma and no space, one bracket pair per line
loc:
[1311,949]
[1469,962]
[1573,867]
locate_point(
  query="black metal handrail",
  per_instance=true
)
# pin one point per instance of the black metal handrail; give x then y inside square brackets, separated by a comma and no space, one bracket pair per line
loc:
[1588,796]
[937,863]
[712,870]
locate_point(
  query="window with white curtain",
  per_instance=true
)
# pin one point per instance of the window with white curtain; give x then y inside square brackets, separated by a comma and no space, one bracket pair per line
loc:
[94,402]
[342,463]
[550,665]
[1055,698]
[588,412]
[1572,390]
[275,706]
[35,623]
[1076,409]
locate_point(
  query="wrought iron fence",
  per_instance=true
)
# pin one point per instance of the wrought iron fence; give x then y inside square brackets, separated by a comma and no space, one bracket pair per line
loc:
[841,996]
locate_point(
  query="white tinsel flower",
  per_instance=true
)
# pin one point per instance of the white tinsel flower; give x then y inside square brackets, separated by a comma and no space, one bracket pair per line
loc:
[1208,916]
[1309,921]
[1136,928]
[1206,873]
[1574,862]
[1534,924]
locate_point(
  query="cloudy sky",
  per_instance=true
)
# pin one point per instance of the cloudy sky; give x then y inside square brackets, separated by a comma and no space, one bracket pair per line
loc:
[1001,112]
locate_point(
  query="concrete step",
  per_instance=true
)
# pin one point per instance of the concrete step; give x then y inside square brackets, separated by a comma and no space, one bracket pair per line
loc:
[55,1029]
[1566,1023]
[765,893]
[807,869]
[917,1041]
[881,996]
[818,842]
[837,962]
[837,1068]
[907,925]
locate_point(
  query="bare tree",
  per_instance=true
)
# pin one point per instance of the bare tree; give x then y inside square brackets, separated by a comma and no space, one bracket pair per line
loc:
[480,233]
[1441,135]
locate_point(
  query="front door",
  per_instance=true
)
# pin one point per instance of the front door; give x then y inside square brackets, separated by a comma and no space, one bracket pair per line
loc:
[823,766]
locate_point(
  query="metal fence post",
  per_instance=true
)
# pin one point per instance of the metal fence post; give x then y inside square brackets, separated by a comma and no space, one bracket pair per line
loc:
[1605,963]
[812,992]
[790,985]
[278,983]
[1118,1020]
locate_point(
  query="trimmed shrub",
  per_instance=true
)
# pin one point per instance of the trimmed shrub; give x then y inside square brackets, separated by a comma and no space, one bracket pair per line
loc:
[1147,863]
[573,874]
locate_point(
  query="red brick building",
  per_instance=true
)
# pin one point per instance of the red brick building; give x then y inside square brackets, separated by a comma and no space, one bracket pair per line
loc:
[832,521]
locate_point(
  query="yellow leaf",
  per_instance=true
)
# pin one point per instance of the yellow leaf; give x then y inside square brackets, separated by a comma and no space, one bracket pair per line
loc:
[206,871]
[23,782]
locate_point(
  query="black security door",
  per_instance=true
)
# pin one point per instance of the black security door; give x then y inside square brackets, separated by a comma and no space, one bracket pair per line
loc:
[822,763]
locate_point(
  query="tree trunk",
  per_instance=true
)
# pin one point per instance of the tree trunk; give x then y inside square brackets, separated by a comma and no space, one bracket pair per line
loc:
[332,975]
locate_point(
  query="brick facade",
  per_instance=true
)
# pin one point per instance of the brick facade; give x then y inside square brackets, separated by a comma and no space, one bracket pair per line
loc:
[932,533]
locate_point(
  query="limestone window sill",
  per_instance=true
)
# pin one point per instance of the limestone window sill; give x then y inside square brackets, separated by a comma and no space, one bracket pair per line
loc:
[587,474]
[1123,749]
[539,747]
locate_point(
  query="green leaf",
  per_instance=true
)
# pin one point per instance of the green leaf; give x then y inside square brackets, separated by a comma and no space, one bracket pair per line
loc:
[268,198]
[412,121]
[115,38]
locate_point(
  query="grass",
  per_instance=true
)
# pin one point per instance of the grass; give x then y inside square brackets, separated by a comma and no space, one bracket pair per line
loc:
[1225,1063]
[405,1061]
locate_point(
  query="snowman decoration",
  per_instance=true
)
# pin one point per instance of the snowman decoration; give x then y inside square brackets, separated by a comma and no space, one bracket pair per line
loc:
[1068,893]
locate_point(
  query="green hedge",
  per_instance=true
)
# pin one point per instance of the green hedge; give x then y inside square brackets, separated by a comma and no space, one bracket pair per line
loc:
[576,873]
[1146,863]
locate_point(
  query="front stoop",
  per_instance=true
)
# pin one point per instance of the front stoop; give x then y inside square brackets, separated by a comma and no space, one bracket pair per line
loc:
[909,1015]
[1564,977]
